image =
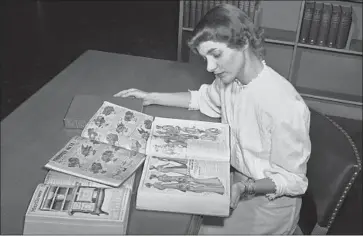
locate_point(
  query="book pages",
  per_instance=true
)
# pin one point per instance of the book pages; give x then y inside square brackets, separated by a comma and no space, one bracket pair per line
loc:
[99,162]
[189,139]
[185,185]
[119,126]
[58,178]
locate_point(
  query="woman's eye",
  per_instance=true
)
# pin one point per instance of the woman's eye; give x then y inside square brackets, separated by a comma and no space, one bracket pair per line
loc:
[217,55]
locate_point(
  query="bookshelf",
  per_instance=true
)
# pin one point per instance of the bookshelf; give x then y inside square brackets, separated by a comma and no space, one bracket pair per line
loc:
[328,78]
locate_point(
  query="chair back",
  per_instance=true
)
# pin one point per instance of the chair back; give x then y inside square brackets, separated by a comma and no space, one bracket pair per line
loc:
[332,169]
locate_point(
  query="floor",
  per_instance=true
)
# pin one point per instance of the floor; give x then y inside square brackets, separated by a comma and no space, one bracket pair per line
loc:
[43,37]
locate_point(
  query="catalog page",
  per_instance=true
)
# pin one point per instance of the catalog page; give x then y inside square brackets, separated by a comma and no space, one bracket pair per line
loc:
[189,138]
[118,125]
[185,177]
[99,162]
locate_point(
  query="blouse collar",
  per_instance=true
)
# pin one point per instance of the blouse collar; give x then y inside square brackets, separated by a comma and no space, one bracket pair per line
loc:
[259,75]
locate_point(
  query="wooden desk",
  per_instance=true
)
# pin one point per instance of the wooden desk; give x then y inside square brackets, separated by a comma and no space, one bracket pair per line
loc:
[34,131]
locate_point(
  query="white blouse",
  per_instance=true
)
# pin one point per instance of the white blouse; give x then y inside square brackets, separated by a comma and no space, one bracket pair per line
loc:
[269,124]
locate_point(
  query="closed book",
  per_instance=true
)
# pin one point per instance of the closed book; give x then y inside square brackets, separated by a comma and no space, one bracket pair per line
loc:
[76,209]
[324,24]
[246,6]
[240,4]
[235,3]
[198,11]
[193,9]
[344,27]
[186,13]
[206,7]
[315,23]
[252,9]
[217,2]
[306,22]
[334,26]
[83,107]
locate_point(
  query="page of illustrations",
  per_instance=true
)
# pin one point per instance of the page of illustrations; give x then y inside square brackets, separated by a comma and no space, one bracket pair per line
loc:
[59,178]
[185,177]
[79,202]
[99,162]
[119,126]
[188,138]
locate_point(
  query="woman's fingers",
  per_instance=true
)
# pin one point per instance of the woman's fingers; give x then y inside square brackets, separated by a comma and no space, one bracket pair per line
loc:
[129,92]
[235,195]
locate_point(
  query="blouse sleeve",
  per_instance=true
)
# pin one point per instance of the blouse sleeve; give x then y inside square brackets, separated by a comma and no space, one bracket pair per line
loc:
[207,99]
[290,147]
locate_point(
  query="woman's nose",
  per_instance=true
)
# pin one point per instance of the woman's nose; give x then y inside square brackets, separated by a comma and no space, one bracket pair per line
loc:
[211,65]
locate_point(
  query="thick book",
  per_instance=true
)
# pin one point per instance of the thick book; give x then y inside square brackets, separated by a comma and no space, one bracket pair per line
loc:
[344,27]
[193,13]
[110,149]
[246,6]
[186,13]
[77,209]
[187,169]
[324,25]
[84,106]
[306,21]
[252,10]
[206,7]
[198,11]
[315,23]
[334,25]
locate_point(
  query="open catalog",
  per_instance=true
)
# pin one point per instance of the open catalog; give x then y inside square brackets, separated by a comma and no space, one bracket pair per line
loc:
[187,168]
[110,148]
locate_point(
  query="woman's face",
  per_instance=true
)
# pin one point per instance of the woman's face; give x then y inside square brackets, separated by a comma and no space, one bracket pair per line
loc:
[226,63]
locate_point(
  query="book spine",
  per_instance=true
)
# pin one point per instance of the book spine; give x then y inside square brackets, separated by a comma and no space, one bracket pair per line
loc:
[334,25]
[306,22]
[315,24]
[198,11]
[246,6]
[240,4]
[193,6]
[217,2]
[211,4]
[251,10]
[235,3]
[344,27]
[205,7]
[186,14]
[324,25]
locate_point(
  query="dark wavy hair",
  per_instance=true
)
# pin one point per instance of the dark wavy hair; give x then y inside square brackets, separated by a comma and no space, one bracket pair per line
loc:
[228,24]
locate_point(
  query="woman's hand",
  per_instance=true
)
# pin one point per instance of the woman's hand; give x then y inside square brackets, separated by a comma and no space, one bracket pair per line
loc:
[136,93]
[237,190]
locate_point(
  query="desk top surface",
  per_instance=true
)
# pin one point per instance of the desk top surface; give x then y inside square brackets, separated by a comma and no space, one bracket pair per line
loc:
[34,132]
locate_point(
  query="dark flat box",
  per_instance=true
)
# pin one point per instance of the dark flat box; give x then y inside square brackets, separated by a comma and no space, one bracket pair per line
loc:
[84,106]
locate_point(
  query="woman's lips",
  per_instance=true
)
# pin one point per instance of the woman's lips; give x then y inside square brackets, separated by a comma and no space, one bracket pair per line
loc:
[219,74]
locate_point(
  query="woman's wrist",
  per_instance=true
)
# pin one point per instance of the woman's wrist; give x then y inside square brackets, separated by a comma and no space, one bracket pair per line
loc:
[250,187]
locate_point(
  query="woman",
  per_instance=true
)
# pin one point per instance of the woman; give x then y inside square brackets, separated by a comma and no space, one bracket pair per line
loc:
[269,121]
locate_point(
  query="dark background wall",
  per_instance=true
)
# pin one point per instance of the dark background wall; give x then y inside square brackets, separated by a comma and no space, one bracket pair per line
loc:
[40,38]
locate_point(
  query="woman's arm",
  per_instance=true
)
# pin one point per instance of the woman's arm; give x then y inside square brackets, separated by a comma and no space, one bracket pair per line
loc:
[261,187]
[180,99]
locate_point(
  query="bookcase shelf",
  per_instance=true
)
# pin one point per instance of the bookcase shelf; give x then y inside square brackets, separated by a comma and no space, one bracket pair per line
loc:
[280,42]
[339,77]
[345,51]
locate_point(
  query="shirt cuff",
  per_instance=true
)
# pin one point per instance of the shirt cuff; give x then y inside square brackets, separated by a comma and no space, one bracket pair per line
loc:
[280,184]
[193,103]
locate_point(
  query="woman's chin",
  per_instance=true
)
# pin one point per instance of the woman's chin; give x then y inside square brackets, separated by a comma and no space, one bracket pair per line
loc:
[226,79]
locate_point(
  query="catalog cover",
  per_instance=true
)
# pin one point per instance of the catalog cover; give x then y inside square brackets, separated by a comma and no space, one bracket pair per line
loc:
[95,161]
